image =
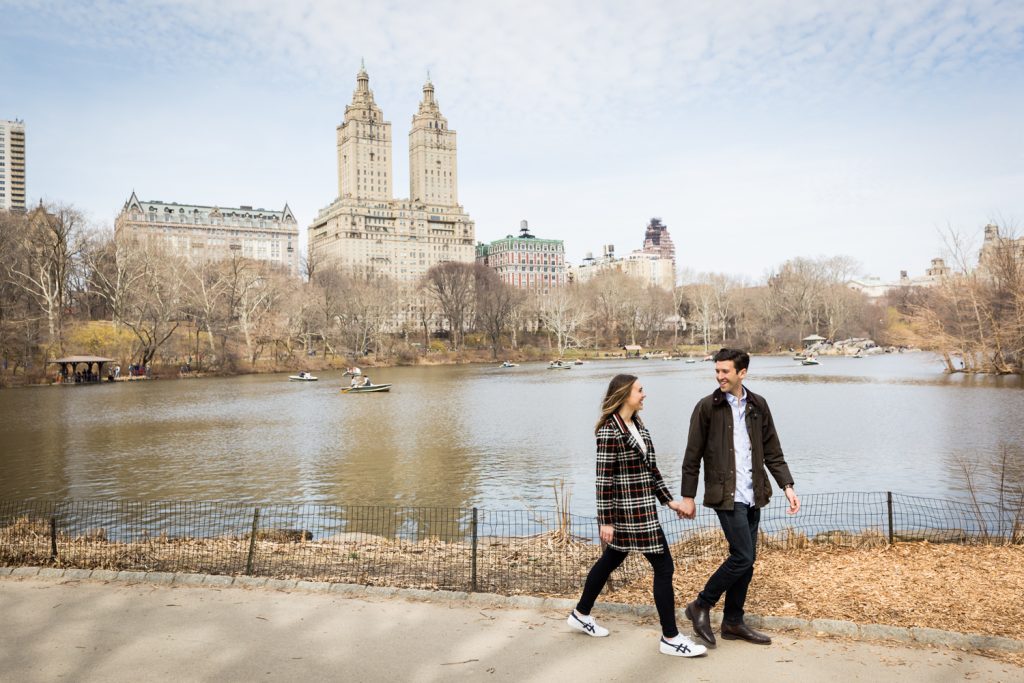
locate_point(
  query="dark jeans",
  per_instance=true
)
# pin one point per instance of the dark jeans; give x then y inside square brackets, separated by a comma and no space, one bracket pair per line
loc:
[733,577]
[664,594]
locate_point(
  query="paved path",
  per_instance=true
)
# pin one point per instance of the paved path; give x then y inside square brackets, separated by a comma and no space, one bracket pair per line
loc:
[66,630]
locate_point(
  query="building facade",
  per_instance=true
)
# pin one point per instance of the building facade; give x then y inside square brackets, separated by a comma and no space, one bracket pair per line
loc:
[12,166]
[526,262]
[874,287]
[658,242]
[210,232]
[365,228]
[654,263]
[999,248]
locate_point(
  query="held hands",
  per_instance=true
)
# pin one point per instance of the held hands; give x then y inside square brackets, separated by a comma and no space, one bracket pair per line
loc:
[606,531]
[685,508]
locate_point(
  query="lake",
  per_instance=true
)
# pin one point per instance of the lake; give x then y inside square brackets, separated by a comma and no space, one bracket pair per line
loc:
[460,436]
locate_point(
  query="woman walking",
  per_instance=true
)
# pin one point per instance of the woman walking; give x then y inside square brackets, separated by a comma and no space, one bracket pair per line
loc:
[629,486]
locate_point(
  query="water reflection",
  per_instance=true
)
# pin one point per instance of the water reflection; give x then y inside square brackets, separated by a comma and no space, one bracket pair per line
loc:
[477,435]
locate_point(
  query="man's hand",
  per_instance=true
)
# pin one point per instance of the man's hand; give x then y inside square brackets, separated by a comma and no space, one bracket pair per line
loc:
[606,533]
[687,508]
[794,502]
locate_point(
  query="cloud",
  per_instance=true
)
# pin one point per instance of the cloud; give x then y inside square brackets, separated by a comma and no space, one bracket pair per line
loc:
[773,116]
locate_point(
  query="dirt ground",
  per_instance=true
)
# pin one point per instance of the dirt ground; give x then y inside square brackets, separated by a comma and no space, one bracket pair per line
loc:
[963,588]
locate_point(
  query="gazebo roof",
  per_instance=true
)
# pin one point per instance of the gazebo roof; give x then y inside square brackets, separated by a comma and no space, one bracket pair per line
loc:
[83,359]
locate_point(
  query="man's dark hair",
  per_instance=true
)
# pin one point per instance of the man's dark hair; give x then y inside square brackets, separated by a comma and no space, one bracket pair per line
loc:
[739,357]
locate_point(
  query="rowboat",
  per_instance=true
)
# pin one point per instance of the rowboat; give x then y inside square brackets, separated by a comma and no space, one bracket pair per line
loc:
[373,388]
[506,364]
[302,377]
[810,360]
[559,365]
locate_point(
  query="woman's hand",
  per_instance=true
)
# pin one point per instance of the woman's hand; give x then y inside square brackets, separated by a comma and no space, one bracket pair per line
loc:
[607,530]
[685,508]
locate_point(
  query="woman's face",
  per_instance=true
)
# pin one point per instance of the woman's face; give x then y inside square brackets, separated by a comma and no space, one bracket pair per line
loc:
[635,400]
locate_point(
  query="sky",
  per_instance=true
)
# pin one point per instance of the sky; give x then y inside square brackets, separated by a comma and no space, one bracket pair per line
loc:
[757,131]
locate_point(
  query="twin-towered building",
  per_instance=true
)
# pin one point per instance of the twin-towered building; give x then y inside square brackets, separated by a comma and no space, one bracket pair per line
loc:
[365,228]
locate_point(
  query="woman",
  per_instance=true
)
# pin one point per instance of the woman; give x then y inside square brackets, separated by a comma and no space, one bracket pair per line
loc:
[629,486]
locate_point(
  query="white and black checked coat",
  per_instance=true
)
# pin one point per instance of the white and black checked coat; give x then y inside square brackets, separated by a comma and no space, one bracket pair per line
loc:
[629,487]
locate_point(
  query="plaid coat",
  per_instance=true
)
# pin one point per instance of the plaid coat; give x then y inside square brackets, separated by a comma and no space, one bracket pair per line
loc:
[629,487]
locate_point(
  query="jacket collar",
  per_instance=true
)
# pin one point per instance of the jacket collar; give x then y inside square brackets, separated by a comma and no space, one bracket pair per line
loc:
[630,439]
[718,398]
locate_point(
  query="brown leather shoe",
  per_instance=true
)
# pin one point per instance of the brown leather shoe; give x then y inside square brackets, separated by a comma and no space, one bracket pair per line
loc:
[700,617]
[743,632]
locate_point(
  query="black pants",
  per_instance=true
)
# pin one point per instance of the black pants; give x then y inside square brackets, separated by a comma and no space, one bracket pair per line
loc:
[664,594]
[733,577]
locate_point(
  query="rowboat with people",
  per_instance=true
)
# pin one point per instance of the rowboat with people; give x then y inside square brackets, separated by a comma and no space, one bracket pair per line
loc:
[302,377]
[559,365]
[366,389]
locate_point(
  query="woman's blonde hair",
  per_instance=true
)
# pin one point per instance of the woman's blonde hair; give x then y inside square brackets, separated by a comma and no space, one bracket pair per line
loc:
[618,391]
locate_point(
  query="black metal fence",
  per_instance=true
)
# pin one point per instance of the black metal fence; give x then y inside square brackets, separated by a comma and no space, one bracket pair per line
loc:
[474,549]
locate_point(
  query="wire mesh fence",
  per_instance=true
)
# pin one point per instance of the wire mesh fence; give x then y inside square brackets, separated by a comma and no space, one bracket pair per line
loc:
[473,549]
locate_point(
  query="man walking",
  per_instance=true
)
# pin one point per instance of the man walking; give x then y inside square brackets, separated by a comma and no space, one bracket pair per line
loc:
[732,433]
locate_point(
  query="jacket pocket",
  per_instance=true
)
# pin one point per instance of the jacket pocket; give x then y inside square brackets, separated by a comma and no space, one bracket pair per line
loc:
[713,492]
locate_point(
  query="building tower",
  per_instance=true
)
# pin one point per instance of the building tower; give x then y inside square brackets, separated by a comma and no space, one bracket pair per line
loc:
[657,240]
[433,175]
[12,166]
[364,147]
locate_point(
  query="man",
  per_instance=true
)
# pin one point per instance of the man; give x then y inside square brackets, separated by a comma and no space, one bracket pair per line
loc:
[732,432]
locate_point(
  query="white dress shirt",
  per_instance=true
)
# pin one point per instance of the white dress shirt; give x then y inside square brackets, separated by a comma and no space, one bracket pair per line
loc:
[741,449]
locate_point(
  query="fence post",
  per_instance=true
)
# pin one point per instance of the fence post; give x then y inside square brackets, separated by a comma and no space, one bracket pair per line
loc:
[252,541]
[888,499]
[53,538]
[472,574]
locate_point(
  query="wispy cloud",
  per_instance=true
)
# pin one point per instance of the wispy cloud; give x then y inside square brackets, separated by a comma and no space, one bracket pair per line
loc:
[780,115]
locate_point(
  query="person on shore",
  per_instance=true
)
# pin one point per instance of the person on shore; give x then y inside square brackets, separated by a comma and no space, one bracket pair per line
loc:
[629,486]
[732,433]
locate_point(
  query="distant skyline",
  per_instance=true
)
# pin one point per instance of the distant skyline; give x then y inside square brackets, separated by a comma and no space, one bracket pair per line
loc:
[757,131]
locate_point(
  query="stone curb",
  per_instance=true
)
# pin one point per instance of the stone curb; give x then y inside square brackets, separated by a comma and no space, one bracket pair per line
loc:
[835,627]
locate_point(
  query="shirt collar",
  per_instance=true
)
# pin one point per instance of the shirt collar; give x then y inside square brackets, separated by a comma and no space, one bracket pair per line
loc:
[733,401]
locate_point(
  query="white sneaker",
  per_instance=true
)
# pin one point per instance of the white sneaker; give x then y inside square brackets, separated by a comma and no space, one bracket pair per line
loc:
[681,646]
[586,624]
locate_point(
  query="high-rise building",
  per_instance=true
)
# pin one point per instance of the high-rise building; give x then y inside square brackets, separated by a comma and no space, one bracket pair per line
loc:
[525,261]
[12,166]
[365,228]
[658,241]
[654,263]
[210,232]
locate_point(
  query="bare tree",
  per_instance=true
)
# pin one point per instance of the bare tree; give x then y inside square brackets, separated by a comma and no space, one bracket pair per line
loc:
[563,315]
[495,303]
[45,261]
[451,284]
[153,310]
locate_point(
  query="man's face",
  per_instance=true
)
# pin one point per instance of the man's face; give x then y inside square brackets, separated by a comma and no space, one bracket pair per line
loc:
[729,380]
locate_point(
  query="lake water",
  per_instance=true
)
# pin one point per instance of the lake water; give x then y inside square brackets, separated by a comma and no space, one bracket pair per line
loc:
[482,436]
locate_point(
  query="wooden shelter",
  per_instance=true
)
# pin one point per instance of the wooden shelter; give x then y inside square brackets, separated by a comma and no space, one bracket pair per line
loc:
[79,369]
